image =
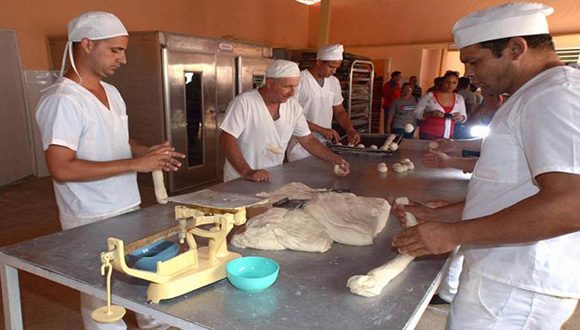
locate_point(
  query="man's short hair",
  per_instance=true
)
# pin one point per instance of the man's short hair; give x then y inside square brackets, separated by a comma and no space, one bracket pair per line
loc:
[395,73]
[537,41]
[463,83]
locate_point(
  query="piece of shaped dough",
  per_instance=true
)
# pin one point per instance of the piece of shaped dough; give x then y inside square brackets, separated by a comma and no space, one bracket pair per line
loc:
[371,284]
[159,186]
[382,168]
[433,145]
[393,146]
[409,128]
[338,170]
[360,145]
[373,147]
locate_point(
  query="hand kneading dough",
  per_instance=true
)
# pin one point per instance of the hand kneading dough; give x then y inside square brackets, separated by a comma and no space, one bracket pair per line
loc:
[371,284]
[159,186]
[338,170]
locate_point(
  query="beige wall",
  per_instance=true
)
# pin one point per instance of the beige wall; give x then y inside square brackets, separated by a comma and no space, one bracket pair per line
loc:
[390,22]
[268,22]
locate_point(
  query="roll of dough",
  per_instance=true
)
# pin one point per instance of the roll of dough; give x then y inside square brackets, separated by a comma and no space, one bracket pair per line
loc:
[371,284]
[159,185]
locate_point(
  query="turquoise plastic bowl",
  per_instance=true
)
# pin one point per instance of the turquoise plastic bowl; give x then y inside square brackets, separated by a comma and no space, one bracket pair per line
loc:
[146,258]
[252,274]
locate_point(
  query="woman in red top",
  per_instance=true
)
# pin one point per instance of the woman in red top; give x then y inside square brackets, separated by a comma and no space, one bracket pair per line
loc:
[441,109]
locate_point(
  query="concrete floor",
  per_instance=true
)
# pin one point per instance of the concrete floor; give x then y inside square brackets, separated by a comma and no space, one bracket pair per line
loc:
[28,210]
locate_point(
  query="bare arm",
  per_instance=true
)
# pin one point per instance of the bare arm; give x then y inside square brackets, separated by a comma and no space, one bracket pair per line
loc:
[64,165]
[552,212]
[344,121]
[231,150]
[328,133]
[437,159]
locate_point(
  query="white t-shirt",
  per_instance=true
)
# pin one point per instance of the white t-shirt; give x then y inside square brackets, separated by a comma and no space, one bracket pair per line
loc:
[261,140]
[317,102]
[536,131]
[70,116]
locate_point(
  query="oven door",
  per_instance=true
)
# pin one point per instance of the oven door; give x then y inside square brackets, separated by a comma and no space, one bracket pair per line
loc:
[191,117]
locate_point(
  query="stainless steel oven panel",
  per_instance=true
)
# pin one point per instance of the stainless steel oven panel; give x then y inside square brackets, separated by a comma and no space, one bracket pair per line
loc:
[194,172]
[250,71]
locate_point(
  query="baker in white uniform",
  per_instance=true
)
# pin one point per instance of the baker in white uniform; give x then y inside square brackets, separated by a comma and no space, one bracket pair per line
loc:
[259,123]
[84,128]
[320,95]
[520,228]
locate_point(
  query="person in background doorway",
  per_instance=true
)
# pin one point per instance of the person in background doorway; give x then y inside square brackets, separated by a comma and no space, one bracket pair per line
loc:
[260,123]
[391,92]
[520,227]
[320,96]
[85,135]
[417,91]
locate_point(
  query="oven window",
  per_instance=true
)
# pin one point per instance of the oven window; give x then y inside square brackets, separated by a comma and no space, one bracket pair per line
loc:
[194,116]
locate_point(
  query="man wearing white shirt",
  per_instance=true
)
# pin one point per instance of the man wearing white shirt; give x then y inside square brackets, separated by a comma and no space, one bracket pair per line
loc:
[320,95]
[521,225]
[260,123]
[85,135]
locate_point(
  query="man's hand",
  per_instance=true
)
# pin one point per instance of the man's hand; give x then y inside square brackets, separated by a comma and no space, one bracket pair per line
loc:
[258,175]
[428,238]
[329,134]
[159,157]
[343,165]
[446,145]
[435,159]
[353,137]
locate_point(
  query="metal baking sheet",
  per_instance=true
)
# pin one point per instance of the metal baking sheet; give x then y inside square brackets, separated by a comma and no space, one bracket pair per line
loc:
[215,199]
[367,140]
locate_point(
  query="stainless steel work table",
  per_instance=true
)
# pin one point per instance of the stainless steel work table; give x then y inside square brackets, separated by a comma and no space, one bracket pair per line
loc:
[310,292]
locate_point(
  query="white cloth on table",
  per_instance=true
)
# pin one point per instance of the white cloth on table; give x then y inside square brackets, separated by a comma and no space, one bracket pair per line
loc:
[317,102]
[258,135]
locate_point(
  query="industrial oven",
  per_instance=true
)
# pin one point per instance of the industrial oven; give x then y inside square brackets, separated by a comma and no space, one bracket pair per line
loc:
[177,89]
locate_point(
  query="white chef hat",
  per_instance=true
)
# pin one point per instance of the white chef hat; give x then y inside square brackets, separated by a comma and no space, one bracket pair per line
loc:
[282,69]
[94,25]
[508,20]
[330,53]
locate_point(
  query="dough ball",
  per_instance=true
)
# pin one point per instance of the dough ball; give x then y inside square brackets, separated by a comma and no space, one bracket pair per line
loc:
[385,147]
[409,128]
[339,143]
[404,200]
[410,166]
[433,145]
[382,168]
[351,144]
[405,160]
[360,146]
[399,168]
[338,170]
[393,146]
[373,147]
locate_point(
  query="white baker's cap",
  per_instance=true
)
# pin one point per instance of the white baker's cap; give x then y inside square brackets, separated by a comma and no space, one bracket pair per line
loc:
[282,69]
[330,53]
[94,25]
[508,20]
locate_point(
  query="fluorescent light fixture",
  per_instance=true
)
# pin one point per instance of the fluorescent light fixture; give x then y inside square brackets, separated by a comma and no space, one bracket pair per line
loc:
[308,2]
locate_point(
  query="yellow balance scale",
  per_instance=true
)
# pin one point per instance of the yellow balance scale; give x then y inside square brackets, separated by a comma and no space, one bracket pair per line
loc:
[193,269]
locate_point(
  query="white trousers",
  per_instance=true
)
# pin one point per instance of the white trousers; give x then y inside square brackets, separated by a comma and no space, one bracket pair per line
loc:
[482,304]
[450,280]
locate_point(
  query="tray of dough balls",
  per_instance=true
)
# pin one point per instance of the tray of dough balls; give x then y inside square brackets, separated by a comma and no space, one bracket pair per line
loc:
[379,145]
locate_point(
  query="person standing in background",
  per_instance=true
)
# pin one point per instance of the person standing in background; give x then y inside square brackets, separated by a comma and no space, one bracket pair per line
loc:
[391,92]
[320,96]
